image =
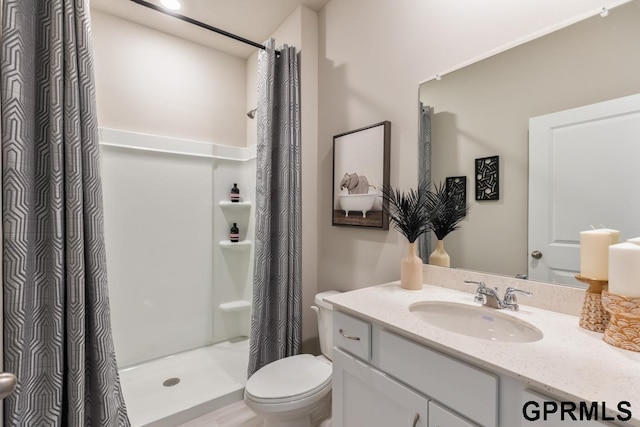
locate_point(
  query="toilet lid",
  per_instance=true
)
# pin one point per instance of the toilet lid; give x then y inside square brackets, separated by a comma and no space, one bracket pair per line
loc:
[292,377]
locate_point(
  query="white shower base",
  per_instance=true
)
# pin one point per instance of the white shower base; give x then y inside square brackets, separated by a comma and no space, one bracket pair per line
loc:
[210,378]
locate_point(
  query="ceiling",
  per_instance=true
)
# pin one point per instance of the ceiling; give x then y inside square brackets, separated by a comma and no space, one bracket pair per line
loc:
[255,20]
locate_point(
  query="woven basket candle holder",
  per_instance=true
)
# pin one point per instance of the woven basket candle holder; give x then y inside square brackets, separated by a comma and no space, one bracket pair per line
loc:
[593,316]
[623,330]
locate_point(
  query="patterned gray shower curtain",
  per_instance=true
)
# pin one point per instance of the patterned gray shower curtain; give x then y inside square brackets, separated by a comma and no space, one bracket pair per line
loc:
[424,170]
[276,320]
[57,333]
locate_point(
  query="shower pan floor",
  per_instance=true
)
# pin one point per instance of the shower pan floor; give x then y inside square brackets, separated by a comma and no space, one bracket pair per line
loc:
[197,382]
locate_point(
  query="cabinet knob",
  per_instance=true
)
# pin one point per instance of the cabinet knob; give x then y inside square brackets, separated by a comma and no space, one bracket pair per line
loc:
[415,420]
[349,337]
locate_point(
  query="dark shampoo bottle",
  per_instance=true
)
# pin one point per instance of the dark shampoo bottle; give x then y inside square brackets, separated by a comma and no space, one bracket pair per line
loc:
[234,234]
[234,195]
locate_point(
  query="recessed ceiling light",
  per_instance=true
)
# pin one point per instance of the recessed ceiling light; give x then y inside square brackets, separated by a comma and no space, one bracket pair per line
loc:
[171,4]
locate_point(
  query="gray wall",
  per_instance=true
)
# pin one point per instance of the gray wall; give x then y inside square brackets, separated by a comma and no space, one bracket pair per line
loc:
[372,56]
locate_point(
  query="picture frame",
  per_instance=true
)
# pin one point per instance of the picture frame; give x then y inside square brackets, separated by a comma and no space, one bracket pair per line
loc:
[361,163]
[488,178]
[457,184]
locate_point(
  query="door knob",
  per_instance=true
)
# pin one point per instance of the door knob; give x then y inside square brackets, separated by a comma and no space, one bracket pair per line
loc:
[8,382]
[536,254]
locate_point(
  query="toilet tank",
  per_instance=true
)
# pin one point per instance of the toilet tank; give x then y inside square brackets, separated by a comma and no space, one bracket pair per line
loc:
[324,311]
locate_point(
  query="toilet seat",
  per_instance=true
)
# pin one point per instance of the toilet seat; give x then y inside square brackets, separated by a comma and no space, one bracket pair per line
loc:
[289,379]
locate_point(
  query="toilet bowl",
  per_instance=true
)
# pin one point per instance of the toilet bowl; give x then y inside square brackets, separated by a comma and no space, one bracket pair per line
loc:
[296,391]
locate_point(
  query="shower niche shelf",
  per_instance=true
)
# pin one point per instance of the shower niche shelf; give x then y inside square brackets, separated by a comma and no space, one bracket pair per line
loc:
[235,246]
[234,205]
[233,306]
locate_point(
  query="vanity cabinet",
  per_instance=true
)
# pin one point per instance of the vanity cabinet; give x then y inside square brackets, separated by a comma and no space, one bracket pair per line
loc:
[470,391]
[381,379]
[364,396]
[441,417]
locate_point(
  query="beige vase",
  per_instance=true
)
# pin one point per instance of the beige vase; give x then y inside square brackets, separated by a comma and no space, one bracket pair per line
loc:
[439,256]
[411,269]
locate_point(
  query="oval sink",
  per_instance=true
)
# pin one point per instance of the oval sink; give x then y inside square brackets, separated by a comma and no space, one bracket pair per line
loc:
[479,322]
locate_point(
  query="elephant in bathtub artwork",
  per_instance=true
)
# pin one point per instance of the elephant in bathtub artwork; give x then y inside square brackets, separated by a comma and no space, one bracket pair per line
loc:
[358,197]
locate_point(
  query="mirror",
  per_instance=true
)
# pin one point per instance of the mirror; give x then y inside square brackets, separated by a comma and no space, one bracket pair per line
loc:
[483,110]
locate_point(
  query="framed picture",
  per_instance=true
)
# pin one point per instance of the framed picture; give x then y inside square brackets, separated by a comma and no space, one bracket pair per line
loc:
[487,178]
[360,169]
[458,185]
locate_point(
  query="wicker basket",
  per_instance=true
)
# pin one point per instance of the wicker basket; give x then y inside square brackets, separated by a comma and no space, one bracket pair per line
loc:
[623,330]
[593,316]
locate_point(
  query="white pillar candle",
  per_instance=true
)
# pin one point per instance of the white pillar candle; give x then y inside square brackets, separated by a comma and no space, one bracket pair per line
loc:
[615,235]
[594,252]
[635,240]
[624,269]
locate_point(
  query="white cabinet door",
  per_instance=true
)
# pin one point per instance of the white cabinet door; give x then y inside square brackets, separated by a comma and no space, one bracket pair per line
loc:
[441,417]
[364,396]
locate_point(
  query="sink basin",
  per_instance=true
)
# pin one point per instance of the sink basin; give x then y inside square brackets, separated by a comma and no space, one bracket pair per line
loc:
[479,322]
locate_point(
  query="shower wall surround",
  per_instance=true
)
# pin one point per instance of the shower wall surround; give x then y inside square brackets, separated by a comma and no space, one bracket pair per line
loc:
[168,272]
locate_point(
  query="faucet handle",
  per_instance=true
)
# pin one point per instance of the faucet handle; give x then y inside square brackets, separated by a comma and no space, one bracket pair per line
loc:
[473,282]
[510,300]
[479,298]
[511,291]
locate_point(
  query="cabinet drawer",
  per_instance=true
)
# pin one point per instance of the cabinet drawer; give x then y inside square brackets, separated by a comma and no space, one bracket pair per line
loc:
[441,417]
[352,335]
[465,389]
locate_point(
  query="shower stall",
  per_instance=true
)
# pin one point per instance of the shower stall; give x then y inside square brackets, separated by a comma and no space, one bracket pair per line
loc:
[179,290]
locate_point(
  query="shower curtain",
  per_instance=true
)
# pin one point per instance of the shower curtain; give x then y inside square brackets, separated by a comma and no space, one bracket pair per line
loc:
[424,170]
[276,320]
[57,333]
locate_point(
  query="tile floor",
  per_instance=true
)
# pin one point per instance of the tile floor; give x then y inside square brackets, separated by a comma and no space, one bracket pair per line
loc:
[235,415]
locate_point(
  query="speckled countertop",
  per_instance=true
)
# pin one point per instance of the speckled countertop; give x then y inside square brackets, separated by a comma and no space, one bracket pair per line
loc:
[569,361]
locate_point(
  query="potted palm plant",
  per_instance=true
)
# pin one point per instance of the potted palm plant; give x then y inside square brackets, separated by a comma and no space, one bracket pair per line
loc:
[446,210]
[409,214]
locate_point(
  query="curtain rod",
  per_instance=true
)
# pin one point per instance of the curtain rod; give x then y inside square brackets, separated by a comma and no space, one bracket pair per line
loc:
[198,23]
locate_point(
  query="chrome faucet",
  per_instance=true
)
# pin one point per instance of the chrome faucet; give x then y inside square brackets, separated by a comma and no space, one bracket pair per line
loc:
[489,296]
[485,295]
[510,300]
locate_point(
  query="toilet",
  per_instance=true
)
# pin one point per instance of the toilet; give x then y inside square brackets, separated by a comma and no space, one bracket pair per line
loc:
[296,391]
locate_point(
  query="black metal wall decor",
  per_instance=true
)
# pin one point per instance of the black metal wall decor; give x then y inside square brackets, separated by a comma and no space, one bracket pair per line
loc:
[488,178]
[458,184]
